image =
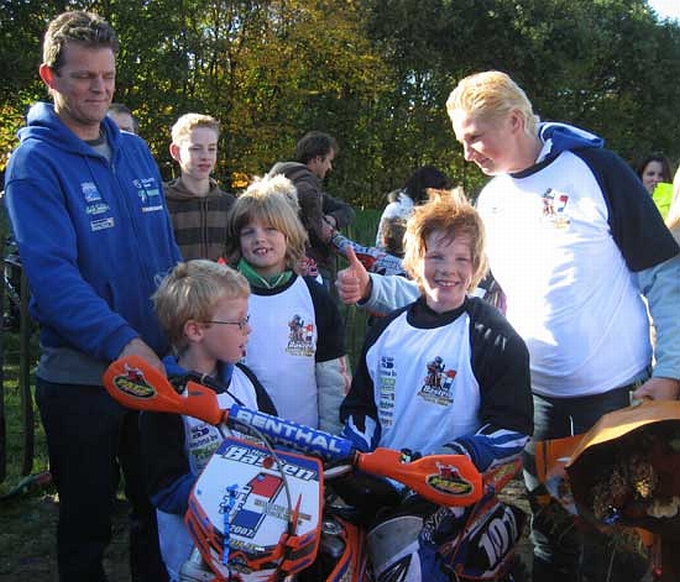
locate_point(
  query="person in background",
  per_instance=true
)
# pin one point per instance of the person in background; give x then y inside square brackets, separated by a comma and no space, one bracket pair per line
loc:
[375,259]
[198,207]
[445,374]
[320,212]
[203,308]
[393,236]
[413,193]
[574,258]
[297,347]
[656,173]
[86,204]
[123,118]
[653,169]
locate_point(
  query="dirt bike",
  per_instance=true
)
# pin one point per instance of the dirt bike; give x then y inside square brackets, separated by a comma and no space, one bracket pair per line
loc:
[259,509]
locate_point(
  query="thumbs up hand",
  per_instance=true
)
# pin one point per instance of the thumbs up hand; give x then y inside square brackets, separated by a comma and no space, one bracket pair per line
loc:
[353,283]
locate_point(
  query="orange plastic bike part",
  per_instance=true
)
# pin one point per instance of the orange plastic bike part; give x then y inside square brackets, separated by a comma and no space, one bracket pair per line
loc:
[134,383]
[443,479]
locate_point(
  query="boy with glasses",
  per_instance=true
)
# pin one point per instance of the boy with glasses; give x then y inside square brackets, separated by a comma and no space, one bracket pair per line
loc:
[203,308]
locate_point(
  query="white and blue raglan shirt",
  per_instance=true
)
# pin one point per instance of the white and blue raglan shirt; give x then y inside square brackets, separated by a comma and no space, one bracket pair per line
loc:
[427,380]
[565,239]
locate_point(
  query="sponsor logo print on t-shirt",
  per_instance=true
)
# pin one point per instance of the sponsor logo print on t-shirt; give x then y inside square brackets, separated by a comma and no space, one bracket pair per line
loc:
[554,208]
[300,337]
[437,383]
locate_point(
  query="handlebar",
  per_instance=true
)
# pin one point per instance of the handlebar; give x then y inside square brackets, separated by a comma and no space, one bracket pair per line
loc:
[291,434]
[442,479]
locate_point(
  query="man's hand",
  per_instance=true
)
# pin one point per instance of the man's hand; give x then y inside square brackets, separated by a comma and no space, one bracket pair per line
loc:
[328,227]
[659,389]
[353,283]
[138,348]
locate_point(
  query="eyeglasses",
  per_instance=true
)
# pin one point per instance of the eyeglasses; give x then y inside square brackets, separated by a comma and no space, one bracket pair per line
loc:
[241,324]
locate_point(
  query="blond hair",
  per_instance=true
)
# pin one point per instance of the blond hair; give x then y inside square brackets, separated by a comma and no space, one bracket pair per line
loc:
[188,122]
[273,201]
[448,212]
[492,94]
[190,292]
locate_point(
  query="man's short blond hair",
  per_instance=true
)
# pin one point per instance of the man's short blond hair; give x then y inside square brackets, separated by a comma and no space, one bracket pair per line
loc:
[190,121]
[450,213]
[272,200]
[492,94]
[190,292]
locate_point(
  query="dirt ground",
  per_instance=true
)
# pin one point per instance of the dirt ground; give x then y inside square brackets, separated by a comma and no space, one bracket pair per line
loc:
[28,547]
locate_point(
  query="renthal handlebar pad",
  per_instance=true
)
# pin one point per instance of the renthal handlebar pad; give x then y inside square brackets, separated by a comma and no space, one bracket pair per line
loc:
[291,434]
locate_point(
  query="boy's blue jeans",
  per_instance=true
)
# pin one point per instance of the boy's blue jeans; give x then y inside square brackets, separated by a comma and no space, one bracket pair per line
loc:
[91,439]
[558,551]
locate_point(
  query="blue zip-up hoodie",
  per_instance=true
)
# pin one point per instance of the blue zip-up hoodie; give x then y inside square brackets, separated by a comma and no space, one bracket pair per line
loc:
[94,237]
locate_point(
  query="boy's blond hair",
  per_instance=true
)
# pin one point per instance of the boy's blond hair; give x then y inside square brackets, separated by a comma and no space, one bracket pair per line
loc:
[451,213]
[492,95]
[272,200]
[191,291]
[190,121]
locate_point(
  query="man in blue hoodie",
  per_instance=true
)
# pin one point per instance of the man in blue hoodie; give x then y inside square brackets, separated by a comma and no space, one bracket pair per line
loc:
[86,205]
[574,242]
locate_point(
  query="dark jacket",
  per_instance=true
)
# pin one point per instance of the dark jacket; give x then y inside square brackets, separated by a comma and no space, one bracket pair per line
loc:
[314,205]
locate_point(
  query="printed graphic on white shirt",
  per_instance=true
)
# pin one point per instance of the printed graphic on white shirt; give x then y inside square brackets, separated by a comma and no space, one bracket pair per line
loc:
[424,388]
[388,382]
[437,383]
[300,337]
[554,206]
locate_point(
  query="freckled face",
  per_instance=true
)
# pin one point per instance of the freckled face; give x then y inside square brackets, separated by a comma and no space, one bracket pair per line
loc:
[446,271]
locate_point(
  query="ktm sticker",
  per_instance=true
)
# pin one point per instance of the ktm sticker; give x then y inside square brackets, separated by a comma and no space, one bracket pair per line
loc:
[132,382]
[449,481]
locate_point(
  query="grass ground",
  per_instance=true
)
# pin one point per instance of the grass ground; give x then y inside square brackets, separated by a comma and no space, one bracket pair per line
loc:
[27,540]
[28,520]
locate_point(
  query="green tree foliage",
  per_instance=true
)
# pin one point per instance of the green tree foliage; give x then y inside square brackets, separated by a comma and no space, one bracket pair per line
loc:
[22,25]
[606,65]
[374,73]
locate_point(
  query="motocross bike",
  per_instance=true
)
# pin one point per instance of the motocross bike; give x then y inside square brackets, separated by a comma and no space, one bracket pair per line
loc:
[258,510]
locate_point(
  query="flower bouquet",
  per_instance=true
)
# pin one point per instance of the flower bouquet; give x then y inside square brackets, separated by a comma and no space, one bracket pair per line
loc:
[626,469]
